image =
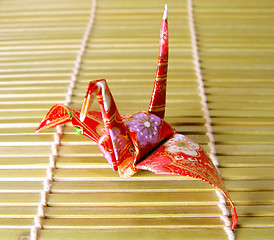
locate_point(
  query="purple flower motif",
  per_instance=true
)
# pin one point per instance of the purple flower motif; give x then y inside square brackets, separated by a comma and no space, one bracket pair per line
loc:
[146,127]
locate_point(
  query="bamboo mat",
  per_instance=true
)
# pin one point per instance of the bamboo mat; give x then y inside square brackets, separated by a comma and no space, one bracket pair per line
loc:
[39,42]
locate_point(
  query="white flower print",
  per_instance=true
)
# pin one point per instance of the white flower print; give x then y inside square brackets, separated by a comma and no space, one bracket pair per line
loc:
[180,143]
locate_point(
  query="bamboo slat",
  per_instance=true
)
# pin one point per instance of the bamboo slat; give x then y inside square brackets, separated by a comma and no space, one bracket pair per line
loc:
[38,48]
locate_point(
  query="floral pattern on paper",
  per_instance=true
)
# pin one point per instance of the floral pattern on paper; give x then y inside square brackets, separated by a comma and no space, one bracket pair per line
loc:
[103,147]
[156,165]
[118,140]
[181,143]
[146,127]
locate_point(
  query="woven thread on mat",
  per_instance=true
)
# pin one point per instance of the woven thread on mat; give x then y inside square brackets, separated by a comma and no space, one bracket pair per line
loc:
[206,116]
[38,224]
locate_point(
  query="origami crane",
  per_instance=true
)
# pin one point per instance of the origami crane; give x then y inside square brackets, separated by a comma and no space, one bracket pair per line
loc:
[144,140]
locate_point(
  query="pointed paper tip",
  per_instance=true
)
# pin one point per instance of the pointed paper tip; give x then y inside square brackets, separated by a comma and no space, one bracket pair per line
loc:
[234,218]
[165,13]
[82,117]
[41,126]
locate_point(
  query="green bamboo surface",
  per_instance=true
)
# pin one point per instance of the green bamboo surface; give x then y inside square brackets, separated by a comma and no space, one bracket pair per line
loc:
[39,41]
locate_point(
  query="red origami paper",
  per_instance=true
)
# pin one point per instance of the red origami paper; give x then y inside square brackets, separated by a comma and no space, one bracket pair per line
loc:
[144,140]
